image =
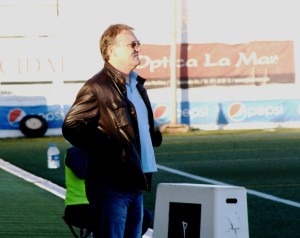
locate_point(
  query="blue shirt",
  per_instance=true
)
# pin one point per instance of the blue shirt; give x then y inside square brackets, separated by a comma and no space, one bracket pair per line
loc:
[148,157]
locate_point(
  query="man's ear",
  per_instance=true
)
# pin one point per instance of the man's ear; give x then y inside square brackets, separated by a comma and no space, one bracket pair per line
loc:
[110,50]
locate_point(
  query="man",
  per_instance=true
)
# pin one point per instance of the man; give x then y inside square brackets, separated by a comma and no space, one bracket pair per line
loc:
[112,121]
[77,209]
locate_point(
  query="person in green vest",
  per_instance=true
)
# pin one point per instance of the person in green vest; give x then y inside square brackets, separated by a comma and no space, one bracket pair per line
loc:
[77,208]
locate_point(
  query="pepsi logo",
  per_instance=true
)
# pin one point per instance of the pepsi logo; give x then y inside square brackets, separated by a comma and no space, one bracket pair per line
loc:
[237,111]
[15,116]
[161,114]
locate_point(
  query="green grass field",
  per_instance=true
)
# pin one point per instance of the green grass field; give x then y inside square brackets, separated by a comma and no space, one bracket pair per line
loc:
[266,161]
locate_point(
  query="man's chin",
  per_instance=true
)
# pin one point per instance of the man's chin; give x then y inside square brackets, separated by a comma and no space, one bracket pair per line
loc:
[137,62]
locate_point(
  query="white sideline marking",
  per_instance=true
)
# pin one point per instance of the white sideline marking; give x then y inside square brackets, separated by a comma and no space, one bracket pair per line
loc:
[211,181]
[60,191]
[44,184]
[38,181]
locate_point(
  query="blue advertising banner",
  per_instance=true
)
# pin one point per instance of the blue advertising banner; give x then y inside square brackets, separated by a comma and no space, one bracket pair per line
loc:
[190,113]
[10,116]
[259,111]
[195,114]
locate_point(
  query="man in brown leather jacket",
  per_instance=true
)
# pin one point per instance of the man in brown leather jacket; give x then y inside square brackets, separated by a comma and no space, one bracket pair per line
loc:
[112,121]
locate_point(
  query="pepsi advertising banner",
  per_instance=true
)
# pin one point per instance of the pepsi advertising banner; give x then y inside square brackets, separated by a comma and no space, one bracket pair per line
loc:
[202,115]
[190,113]
[277,111]
[10,116]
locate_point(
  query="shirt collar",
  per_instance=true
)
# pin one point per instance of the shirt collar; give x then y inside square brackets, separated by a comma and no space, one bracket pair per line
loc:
[133,77]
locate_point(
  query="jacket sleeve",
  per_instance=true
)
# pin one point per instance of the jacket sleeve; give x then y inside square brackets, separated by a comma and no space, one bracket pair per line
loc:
[80,124]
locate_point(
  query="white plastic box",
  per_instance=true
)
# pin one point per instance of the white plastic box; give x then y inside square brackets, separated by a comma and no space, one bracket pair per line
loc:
[200,211]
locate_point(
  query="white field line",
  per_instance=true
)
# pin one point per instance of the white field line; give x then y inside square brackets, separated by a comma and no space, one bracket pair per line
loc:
[38,181]
[44,184]
[211,181]
[60,191]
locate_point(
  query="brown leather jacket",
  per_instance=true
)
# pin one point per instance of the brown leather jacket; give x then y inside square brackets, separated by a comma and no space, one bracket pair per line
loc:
[103,123]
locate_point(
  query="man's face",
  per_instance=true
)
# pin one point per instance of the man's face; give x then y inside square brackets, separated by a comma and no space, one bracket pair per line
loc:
[126,50]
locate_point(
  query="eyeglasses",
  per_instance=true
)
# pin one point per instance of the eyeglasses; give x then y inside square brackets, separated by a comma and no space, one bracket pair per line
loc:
[134,45]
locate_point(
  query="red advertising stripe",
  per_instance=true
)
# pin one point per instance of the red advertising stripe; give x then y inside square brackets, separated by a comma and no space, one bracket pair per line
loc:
[273,60]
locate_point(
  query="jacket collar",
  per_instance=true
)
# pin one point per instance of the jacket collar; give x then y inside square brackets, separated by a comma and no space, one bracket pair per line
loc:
[115,74]
[118,77]
[141,80]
